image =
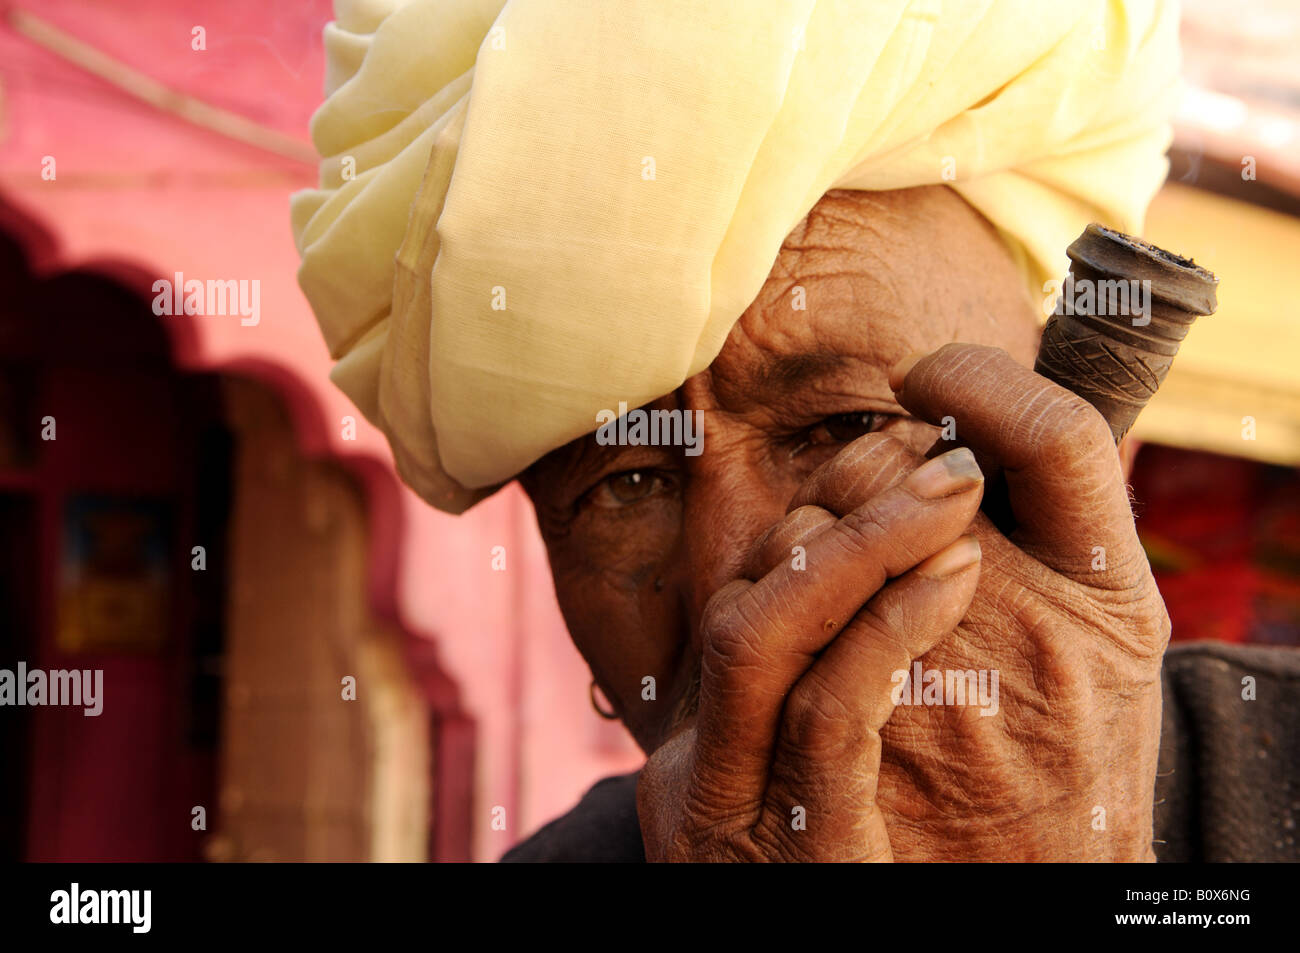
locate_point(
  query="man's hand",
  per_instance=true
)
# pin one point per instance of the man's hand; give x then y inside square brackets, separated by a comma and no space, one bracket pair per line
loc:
[794,714]
[1066,611]
[782,760]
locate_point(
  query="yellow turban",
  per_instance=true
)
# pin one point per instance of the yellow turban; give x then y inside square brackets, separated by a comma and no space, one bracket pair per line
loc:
[529,212]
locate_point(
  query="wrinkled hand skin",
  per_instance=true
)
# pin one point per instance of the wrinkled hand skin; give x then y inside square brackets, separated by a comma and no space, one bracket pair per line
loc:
[795,681]
[1078,652]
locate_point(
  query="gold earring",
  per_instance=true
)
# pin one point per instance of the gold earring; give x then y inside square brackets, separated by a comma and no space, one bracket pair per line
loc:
[607,715]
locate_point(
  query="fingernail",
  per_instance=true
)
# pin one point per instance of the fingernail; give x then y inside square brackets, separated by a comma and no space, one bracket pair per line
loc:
[945,475]
[951,559]
[899,372]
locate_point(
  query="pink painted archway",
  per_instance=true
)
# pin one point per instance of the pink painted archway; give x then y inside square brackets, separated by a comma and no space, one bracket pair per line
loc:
[139,194]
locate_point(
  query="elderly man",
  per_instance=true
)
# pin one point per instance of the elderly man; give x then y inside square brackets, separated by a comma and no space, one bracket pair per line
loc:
[821,231]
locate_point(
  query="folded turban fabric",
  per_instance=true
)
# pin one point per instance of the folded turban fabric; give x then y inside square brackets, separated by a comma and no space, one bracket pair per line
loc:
[531,211]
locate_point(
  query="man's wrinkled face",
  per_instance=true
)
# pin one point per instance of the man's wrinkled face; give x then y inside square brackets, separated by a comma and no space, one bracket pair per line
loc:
[640,537]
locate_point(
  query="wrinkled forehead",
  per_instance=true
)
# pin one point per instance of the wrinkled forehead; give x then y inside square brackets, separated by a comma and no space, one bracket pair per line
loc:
[868,277]
[865,279]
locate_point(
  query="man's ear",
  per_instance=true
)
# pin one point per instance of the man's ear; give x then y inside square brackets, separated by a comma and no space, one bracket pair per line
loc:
[1128,451]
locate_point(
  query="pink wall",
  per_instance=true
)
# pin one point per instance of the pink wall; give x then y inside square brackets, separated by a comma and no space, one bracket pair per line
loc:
[142,191]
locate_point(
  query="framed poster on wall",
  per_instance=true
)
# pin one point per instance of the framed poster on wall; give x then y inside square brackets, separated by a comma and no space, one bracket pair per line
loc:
[115,574]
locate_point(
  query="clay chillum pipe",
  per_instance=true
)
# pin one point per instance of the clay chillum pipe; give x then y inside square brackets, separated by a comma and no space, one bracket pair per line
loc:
[1124,310]
[1123,313]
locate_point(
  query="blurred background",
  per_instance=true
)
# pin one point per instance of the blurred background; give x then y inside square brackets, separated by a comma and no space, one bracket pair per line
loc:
[216,528]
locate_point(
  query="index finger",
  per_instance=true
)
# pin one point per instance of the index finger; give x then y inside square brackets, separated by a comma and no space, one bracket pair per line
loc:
[1062,471]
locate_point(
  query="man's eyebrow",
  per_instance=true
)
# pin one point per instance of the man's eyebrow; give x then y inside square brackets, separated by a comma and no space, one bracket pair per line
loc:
[785,374]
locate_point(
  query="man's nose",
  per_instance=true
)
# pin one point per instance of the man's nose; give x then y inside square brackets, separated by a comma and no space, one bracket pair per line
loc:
[727,506]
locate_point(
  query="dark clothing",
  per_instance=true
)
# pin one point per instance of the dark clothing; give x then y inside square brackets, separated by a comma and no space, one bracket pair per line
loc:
[1229,774]
[603,828]
[1228,785]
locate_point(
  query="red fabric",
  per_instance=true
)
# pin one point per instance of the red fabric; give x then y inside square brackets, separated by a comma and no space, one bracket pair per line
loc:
[1223,537]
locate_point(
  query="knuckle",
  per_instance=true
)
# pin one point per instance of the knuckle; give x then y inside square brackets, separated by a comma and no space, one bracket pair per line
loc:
[886,624]
[732,631]
[861,530]
[815,723]
[1151,627]
[719,612]
[774,545]
[853,474]
[1070,430]
[805,517]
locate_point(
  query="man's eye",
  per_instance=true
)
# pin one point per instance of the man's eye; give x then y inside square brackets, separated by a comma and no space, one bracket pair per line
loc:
[845,428]
[630,486]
